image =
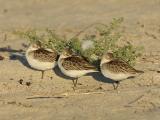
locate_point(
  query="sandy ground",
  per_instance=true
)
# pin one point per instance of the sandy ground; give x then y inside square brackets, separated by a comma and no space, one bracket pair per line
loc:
[53,97]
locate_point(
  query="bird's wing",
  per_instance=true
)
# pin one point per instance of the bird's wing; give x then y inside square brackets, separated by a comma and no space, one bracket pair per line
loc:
[120,66]
[77,63]
[45,55]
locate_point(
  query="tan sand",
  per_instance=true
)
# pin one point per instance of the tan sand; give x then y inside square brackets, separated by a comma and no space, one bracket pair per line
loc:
[53,97]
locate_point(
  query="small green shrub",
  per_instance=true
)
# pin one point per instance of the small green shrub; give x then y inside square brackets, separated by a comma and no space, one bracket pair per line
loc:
[55,41]
[46,39]
[105,39]
[75,45]
[128,53]
[108,37]
[30,34]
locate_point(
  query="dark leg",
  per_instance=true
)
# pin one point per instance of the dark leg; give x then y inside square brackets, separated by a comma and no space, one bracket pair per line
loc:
[75,82]
[42,74]
[117,84]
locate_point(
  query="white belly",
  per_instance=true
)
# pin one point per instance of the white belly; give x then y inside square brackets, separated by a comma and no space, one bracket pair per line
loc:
[73,73]
[113,76]
[40,65]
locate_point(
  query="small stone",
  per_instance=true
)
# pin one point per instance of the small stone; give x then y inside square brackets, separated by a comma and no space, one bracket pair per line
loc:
[28,83]
[158,71]
[21,81]
[11,79]
[1,58]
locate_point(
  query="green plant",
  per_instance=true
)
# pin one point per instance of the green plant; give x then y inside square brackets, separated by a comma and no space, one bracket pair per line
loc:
[31,35]
[108,35]
[55,41]
[128,53]
[75,45]
[46,38]
[107,39]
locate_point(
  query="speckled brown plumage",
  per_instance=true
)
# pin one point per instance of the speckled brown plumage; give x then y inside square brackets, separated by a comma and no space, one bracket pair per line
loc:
[77,63]
[119,66]
[44,55]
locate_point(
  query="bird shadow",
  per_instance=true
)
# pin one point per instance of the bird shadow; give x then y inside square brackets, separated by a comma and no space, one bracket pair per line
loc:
[21,58]
[59,73]
[10,50]
[16,54]
[99,77]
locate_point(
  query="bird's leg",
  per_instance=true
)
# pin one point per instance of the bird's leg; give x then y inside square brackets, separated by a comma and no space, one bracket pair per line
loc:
[75,82]
[42,74]
[117,84]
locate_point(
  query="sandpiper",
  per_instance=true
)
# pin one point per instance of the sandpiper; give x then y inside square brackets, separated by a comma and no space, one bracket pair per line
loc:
[117,69]
[40,58]
[74,66]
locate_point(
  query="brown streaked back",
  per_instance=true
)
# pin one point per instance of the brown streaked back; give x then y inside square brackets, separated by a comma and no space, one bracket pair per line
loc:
[44,55]
[120,66]
[77,63]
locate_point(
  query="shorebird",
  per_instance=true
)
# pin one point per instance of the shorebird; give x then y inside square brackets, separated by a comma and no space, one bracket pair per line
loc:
[40,58]
[74,66]
[117,69]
